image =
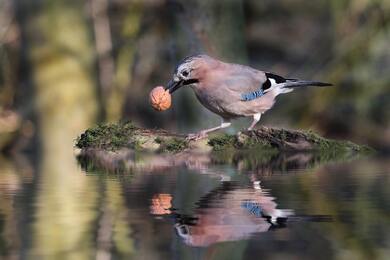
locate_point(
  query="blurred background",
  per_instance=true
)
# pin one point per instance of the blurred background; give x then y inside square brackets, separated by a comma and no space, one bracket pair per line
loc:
[66,65]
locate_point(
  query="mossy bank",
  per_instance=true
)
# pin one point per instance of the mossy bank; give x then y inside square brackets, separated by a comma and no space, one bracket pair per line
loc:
[121,135]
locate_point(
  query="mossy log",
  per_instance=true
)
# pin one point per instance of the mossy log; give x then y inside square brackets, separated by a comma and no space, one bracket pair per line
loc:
[123,145]
[113,137]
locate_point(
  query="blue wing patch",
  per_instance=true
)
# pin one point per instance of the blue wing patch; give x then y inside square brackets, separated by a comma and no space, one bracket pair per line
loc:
[252,95]
[253,208]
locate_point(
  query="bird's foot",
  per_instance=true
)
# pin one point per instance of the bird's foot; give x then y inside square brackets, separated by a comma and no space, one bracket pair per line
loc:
[243,130]
[196,136]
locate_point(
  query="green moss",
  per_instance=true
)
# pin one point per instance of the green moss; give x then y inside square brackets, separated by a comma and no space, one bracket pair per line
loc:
[108,136]
[266,141]
[265,145]
[239,141]
[334,147]
[171,145]
[253,142]
[222,142]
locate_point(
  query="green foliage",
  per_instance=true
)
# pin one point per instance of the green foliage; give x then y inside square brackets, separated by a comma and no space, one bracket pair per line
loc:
[240,141]
[171,145]
[108,136]
[222,142]
[324,145]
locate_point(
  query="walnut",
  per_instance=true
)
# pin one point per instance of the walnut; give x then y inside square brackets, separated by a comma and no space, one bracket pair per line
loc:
[160,99]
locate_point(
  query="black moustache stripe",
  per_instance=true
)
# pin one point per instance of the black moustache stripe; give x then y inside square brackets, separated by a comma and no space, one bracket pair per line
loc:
[190,81]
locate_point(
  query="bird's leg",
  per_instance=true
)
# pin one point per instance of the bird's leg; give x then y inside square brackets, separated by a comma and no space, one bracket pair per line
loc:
[203,134]
[256,119]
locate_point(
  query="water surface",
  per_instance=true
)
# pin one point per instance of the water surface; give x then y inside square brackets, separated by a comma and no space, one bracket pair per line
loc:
[196,210]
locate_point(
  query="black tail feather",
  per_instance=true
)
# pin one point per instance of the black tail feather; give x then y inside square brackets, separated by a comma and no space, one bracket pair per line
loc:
[305,83]
[291,83]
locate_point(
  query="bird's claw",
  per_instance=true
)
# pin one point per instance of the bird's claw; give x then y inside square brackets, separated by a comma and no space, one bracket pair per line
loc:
[196,136]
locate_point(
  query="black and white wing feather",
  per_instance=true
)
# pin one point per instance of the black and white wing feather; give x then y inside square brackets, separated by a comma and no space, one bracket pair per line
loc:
[273,80]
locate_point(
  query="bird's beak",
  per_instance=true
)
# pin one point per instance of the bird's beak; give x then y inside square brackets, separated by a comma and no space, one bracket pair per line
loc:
[173,85]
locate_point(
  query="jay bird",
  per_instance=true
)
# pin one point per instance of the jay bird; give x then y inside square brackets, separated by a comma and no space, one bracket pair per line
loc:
[231,90]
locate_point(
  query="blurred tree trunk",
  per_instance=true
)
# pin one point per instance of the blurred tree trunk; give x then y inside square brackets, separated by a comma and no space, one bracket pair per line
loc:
[11,121]
[12,178]
[8,54]
[124,34]
[61,57]
[114,229]
[103,48]
[219,27]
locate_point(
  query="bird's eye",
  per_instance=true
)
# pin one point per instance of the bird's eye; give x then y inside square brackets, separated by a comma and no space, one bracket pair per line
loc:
[185,73]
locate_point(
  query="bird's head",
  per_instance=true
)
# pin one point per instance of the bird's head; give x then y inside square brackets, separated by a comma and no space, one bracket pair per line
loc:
[188,72]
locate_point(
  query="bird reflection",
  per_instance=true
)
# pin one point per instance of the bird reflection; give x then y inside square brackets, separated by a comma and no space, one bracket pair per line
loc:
[230,212]
[238,208]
